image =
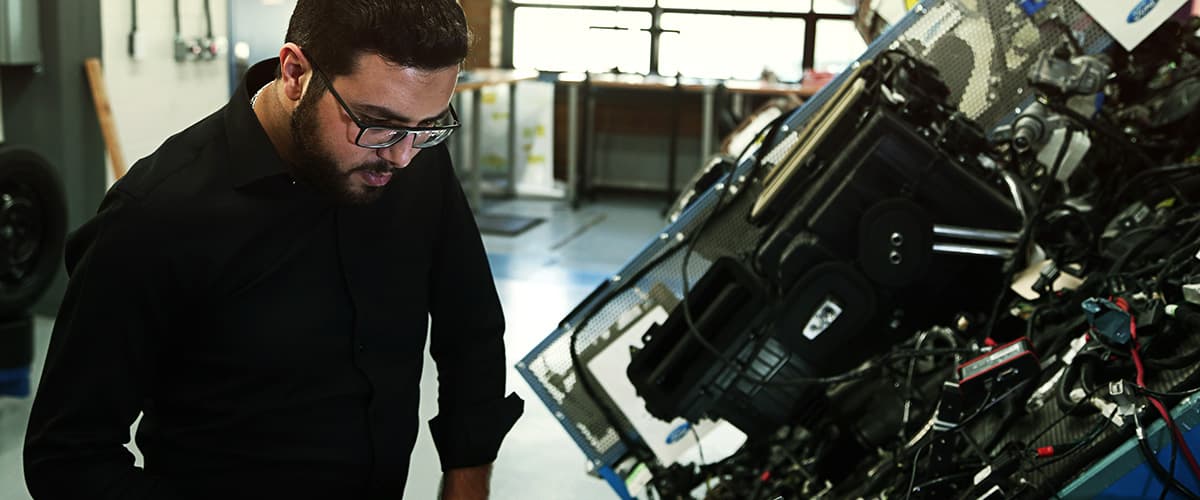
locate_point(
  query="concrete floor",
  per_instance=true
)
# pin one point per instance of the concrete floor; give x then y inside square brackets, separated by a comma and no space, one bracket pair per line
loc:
[541,275]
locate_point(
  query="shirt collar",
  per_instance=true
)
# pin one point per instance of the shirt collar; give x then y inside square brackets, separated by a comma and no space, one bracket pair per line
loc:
[254,157]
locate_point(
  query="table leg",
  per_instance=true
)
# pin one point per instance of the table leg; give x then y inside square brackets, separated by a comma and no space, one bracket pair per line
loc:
[514,138]
[475,190]
[673,148]
[706,128]
[573,145]
[589,144]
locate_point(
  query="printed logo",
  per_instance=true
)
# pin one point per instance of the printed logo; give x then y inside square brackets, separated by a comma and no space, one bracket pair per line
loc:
[1140,10]
[678,433]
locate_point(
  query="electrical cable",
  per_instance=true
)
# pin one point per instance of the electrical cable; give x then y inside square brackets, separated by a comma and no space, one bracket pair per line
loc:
[1162,410]
[1077,445]
[1061,417]
[1171,471]
[912,480]
[1172,222]
[1161,394]
[1012,266]
[208,20]
[908,388]
[1154,171]
[178,28]
[1165,477]
[703,462]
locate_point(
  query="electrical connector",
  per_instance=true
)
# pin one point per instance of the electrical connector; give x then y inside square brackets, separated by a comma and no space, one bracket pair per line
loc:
[1191,293]
[1108,321]
[137,46]
[1109,410]
[1186,314]
[1046,277]
[1128,402]
[183,49]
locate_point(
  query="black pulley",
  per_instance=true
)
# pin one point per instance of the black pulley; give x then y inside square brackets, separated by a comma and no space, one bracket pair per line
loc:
[33,222]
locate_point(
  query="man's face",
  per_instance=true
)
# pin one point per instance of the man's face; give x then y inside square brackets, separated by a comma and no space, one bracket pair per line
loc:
[379,93]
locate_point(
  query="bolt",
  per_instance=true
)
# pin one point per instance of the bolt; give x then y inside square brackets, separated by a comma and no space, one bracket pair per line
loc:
[895,258]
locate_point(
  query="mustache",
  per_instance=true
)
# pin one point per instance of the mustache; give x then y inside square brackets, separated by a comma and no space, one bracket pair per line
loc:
[380,167]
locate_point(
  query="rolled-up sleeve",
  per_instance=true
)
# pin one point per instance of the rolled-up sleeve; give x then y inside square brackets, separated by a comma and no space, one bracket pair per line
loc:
[467,341]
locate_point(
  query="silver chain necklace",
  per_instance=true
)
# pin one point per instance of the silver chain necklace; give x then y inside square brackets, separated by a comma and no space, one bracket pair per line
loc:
[256,94]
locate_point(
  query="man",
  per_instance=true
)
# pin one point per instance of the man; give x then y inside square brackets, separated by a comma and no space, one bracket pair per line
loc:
[259,287]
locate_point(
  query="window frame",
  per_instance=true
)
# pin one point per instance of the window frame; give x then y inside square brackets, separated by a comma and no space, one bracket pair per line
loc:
[811,19]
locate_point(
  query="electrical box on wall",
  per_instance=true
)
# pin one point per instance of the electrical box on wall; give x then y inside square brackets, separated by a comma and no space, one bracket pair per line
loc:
[19,36]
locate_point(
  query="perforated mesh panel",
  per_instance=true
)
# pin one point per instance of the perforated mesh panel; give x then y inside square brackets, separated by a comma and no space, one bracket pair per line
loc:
[983,50]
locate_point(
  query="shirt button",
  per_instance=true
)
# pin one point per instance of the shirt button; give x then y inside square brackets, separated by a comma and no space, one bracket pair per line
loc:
[362,347]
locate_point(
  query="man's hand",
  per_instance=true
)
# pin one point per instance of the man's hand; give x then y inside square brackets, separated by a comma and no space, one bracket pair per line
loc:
[469,483]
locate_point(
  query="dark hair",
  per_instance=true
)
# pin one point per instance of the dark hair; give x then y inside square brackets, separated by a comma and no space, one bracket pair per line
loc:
[423,34]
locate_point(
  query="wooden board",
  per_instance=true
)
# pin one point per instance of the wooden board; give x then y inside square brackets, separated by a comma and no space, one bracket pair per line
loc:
[108,126]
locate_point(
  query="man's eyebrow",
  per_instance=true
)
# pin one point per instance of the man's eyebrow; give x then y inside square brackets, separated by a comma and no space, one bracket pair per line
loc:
[389,115]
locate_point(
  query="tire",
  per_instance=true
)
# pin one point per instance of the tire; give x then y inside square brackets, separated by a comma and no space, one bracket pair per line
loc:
[33,227]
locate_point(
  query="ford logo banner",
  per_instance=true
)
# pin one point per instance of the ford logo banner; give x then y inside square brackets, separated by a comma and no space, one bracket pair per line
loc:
[1140,10]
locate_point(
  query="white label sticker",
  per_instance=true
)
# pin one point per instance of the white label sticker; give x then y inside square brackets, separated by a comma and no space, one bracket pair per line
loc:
[822,319]
[1130,21]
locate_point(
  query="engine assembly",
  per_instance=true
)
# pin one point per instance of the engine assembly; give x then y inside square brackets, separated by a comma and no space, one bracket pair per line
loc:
[968,268]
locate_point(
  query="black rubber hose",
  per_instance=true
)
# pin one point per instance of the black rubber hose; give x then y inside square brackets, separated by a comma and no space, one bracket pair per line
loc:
[1160,471]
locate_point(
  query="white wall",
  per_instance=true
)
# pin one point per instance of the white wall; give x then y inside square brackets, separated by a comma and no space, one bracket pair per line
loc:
[155,97]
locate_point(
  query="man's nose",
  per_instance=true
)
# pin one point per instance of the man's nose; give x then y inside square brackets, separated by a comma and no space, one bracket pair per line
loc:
[400,153]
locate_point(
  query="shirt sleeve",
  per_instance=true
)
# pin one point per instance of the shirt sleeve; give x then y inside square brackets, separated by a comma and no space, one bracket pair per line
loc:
[467,339]
[96,370]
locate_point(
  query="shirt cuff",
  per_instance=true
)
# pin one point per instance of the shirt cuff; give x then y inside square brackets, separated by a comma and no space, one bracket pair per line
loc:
[472,438]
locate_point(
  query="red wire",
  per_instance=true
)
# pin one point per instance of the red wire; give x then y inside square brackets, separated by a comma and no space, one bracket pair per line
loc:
[1162,410]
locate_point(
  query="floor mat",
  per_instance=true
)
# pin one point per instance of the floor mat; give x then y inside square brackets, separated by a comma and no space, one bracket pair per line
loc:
[505,225]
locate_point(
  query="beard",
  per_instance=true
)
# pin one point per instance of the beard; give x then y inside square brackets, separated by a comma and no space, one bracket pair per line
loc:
[316,167]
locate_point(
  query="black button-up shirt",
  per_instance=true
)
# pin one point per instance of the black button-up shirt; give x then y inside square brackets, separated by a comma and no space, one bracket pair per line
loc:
[272,340]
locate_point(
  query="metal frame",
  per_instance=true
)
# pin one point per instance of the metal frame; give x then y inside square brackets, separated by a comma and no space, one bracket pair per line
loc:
[656,30]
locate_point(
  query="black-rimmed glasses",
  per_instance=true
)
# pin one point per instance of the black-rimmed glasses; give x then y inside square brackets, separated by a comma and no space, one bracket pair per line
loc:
[379,137]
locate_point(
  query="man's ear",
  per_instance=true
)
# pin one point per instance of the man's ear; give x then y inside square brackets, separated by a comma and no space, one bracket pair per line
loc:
[294,71]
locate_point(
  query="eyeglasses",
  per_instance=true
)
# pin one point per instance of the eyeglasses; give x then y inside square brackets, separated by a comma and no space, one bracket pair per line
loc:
[379,137]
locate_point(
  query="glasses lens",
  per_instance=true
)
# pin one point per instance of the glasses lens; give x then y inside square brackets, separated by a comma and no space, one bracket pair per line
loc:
[376,137]
[430,138]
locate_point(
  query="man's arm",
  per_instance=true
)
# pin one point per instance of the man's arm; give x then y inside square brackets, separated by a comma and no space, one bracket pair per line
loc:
[93,383]
[470,483]
[467,339]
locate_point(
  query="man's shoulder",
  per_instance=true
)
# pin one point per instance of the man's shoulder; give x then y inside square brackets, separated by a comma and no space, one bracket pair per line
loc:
[184,164]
